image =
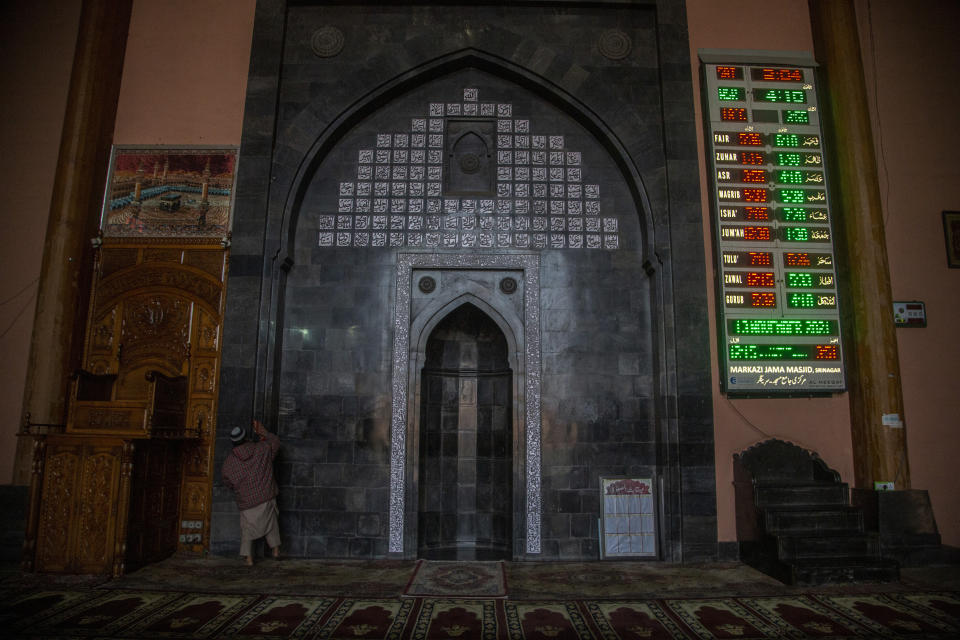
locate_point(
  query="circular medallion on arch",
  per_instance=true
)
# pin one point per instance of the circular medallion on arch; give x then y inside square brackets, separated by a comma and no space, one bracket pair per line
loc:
[508,285]
[427,284]
[327,42]
[615,44]
[470,163]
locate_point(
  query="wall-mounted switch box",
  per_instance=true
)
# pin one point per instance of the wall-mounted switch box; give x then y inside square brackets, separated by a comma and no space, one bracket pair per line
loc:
[912,314]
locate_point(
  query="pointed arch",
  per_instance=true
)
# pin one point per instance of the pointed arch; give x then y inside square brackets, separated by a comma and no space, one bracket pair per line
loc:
[413,328]
[444,65]
[426,321]
[466,348]
[422,327]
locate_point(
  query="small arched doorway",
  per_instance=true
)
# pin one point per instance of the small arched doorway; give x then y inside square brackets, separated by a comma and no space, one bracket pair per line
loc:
[466,440]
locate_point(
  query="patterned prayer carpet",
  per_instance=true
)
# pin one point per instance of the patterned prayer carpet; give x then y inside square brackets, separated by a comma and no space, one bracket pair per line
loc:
[99,612]
[458,579]
[632,580]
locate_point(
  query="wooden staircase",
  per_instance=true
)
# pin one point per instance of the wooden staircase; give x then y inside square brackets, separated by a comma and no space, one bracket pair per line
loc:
[795,521]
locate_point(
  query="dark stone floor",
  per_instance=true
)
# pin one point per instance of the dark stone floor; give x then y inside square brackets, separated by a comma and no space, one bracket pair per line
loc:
[524,580]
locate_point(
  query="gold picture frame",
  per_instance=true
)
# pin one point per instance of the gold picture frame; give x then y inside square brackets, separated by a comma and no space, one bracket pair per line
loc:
[169,192]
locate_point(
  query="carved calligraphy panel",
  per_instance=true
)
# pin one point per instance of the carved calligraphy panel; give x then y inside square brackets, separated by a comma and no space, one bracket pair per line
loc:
[155,327]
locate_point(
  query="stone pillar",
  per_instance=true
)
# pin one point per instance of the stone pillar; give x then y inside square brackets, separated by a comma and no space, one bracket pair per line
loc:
[56,344]
[873,372]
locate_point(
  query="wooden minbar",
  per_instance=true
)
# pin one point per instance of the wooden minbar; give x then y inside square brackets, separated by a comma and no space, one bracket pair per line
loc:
[126,480]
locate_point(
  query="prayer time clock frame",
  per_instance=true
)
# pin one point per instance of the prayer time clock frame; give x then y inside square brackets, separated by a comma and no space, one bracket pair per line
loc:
[778,306]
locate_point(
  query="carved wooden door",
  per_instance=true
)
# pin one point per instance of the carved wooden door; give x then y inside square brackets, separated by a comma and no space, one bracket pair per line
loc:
[81,505]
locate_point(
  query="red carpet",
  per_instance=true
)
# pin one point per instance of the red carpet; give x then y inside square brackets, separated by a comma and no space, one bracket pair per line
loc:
[117,613]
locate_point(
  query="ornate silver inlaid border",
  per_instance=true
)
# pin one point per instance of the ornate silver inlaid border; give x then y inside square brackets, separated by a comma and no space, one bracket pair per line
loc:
[406,262]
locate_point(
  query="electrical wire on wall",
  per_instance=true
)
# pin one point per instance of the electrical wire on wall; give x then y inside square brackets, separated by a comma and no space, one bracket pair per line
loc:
[23,308]
[747,420]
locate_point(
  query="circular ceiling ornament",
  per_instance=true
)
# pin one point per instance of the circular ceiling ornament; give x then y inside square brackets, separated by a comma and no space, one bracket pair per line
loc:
[615,44]
[427,284]
[327,42]
[508,285]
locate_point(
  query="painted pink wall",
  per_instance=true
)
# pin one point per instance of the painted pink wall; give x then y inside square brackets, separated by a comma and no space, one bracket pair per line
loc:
[915,94]
[918,180]
[184,82]
[817,424]
[185,72]
[36,56]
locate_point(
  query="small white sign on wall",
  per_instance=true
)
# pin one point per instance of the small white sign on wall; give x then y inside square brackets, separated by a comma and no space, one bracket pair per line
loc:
[628,526]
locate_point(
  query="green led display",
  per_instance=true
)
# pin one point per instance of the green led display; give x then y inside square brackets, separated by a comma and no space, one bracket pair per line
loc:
[778,327]
[791,196]
[793,140]
[790,176]
[786,140]
[802,301]
[780,95]
[796,116]
[731,93]
[793,214]
[784,352]
[769,352]
[799,280]
[789,159]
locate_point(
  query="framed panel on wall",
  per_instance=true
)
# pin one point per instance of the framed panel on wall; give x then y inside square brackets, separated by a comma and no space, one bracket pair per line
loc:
[778,302]
[165,191]
[628,527]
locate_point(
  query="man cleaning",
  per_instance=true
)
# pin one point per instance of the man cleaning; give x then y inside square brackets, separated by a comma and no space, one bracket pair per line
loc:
[248,471]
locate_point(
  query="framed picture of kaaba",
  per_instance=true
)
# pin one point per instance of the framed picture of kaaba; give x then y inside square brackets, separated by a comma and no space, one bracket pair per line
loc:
[169,192]
[951,231]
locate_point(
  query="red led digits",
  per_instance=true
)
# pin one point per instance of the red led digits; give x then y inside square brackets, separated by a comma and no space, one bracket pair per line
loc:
[755,195]
[797,259]
[763,299]
[749,139]
[760,259]
[760,279]
[756,233]
[753,157]
[756,213]
[778,75]
[729,73]
[753,175]
[733,114]
[826,352]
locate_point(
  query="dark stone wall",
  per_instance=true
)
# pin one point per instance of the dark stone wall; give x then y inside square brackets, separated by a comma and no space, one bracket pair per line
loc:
[309,328]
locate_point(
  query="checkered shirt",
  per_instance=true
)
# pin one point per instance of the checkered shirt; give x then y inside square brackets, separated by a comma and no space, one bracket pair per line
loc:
[248,471]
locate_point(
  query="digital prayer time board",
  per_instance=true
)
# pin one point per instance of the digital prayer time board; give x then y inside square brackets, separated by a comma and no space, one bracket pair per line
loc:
[779,326]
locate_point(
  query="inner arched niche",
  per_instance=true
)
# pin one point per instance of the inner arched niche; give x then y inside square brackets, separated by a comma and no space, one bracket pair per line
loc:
[470,168]
[466,440]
